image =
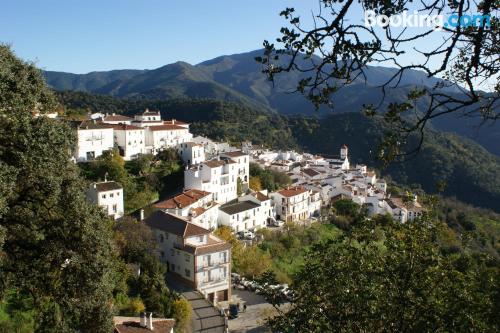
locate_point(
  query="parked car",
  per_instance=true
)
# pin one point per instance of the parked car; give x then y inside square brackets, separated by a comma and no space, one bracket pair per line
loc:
[233,311]
[279,223]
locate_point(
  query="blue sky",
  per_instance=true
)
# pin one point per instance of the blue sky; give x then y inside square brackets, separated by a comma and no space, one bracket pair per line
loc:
[82,36]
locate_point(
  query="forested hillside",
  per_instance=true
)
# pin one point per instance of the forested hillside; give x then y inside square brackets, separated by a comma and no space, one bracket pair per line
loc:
[461,165]
[238,78]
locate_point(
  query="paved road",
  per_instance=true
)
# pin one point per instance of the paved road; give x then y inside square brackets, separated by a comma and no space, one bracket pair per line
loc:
[206,318]
[253,319]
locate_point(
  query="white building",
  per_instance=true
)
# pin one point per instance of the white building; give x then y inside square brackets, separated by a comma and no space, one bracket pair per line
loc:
[242,164]
[250,212]
[109,196]
[192,153]
[93,139]
[405,211]
[216,176]
[159,137]
[116,119]
[292,204]
[198,258]
[130,139]
[196,206]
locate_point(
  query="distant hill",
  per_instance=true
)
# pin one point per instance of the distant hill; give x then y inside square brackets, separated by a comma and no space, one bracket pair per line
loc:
[238,78]
[471,173]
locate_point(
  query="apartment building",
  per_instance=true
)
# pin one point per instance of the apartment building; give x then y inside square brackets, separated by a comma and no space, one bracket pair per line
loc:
[197,257]
[216,176]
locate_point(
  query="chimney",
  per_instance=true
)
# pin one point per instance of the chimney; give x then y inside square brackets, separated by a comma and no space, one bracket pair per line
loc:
[141,215]
[113,114]
[143,319]
[149,321]
[173,121]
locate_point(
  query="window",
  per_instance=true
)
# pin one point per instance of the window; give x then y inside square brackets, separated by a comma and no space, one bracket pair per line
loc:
[171,252]
[200,239]
[162,254]
[115,208]
[161,238]
[117,194]
[111,195]
[187,257]
[103,196]
[187,272]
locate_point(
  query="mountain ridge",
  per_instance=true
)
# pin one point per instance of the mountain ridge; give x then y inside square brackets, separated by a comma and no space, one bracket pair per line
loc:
[239,78]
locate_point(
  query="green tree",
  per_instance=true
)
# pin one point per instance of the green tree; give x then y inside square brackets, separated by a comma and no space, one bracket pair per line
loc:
[239,186]
[58,249]
[182,313]
[385,276]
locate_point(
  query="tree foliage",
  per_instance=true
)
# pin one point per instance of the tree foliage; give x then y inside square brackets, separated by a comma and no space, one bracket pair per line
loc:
[384,276]
[333,52]
[58,249]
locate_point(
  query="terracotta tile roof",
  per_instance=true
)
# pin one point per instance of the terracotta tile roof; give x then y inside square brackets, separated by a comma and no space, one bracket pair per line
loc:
[198,211]
[132,325]
[90,124]
[174,122]
[174,224]
[117,117]
[108,186]
[165,127]
[310,172]
[293,191]
[260,196]
[124,127]
[214,244]
[237,153]
[182,200]
[218,163]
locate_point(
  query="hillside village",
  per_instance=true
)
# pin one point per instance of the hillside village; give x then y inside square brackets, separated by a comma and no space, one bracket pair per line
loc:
[217,193]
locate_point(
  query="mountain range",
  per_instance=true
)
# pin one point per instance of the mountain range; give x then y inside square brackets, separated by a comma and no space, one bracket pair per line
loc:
[239,78]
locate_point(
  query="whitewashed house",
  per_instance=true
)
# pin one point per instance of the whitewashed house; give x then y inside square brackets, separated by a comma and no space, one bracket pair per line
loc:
[109,196]
[130,139]
[405,211]
[242,164]
[196,206]
[292,204]
[197,257]
[192,153]
[216,176]
[249,212]
[116,119]
[160,137]
[93,139]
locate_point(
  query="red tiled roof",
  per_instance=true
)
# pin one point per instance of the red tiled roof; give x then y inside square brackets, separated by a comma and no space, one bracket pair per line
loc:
[182,200]
[117,117]
[174,224]
[165,127]
[237,153]
[174,122]
[260,196]
[125,127]
[292,191]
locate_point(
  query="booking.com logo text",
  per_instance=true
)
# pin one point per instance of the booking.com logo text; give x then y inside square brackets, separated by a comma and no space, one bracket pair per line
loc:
[418,20]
